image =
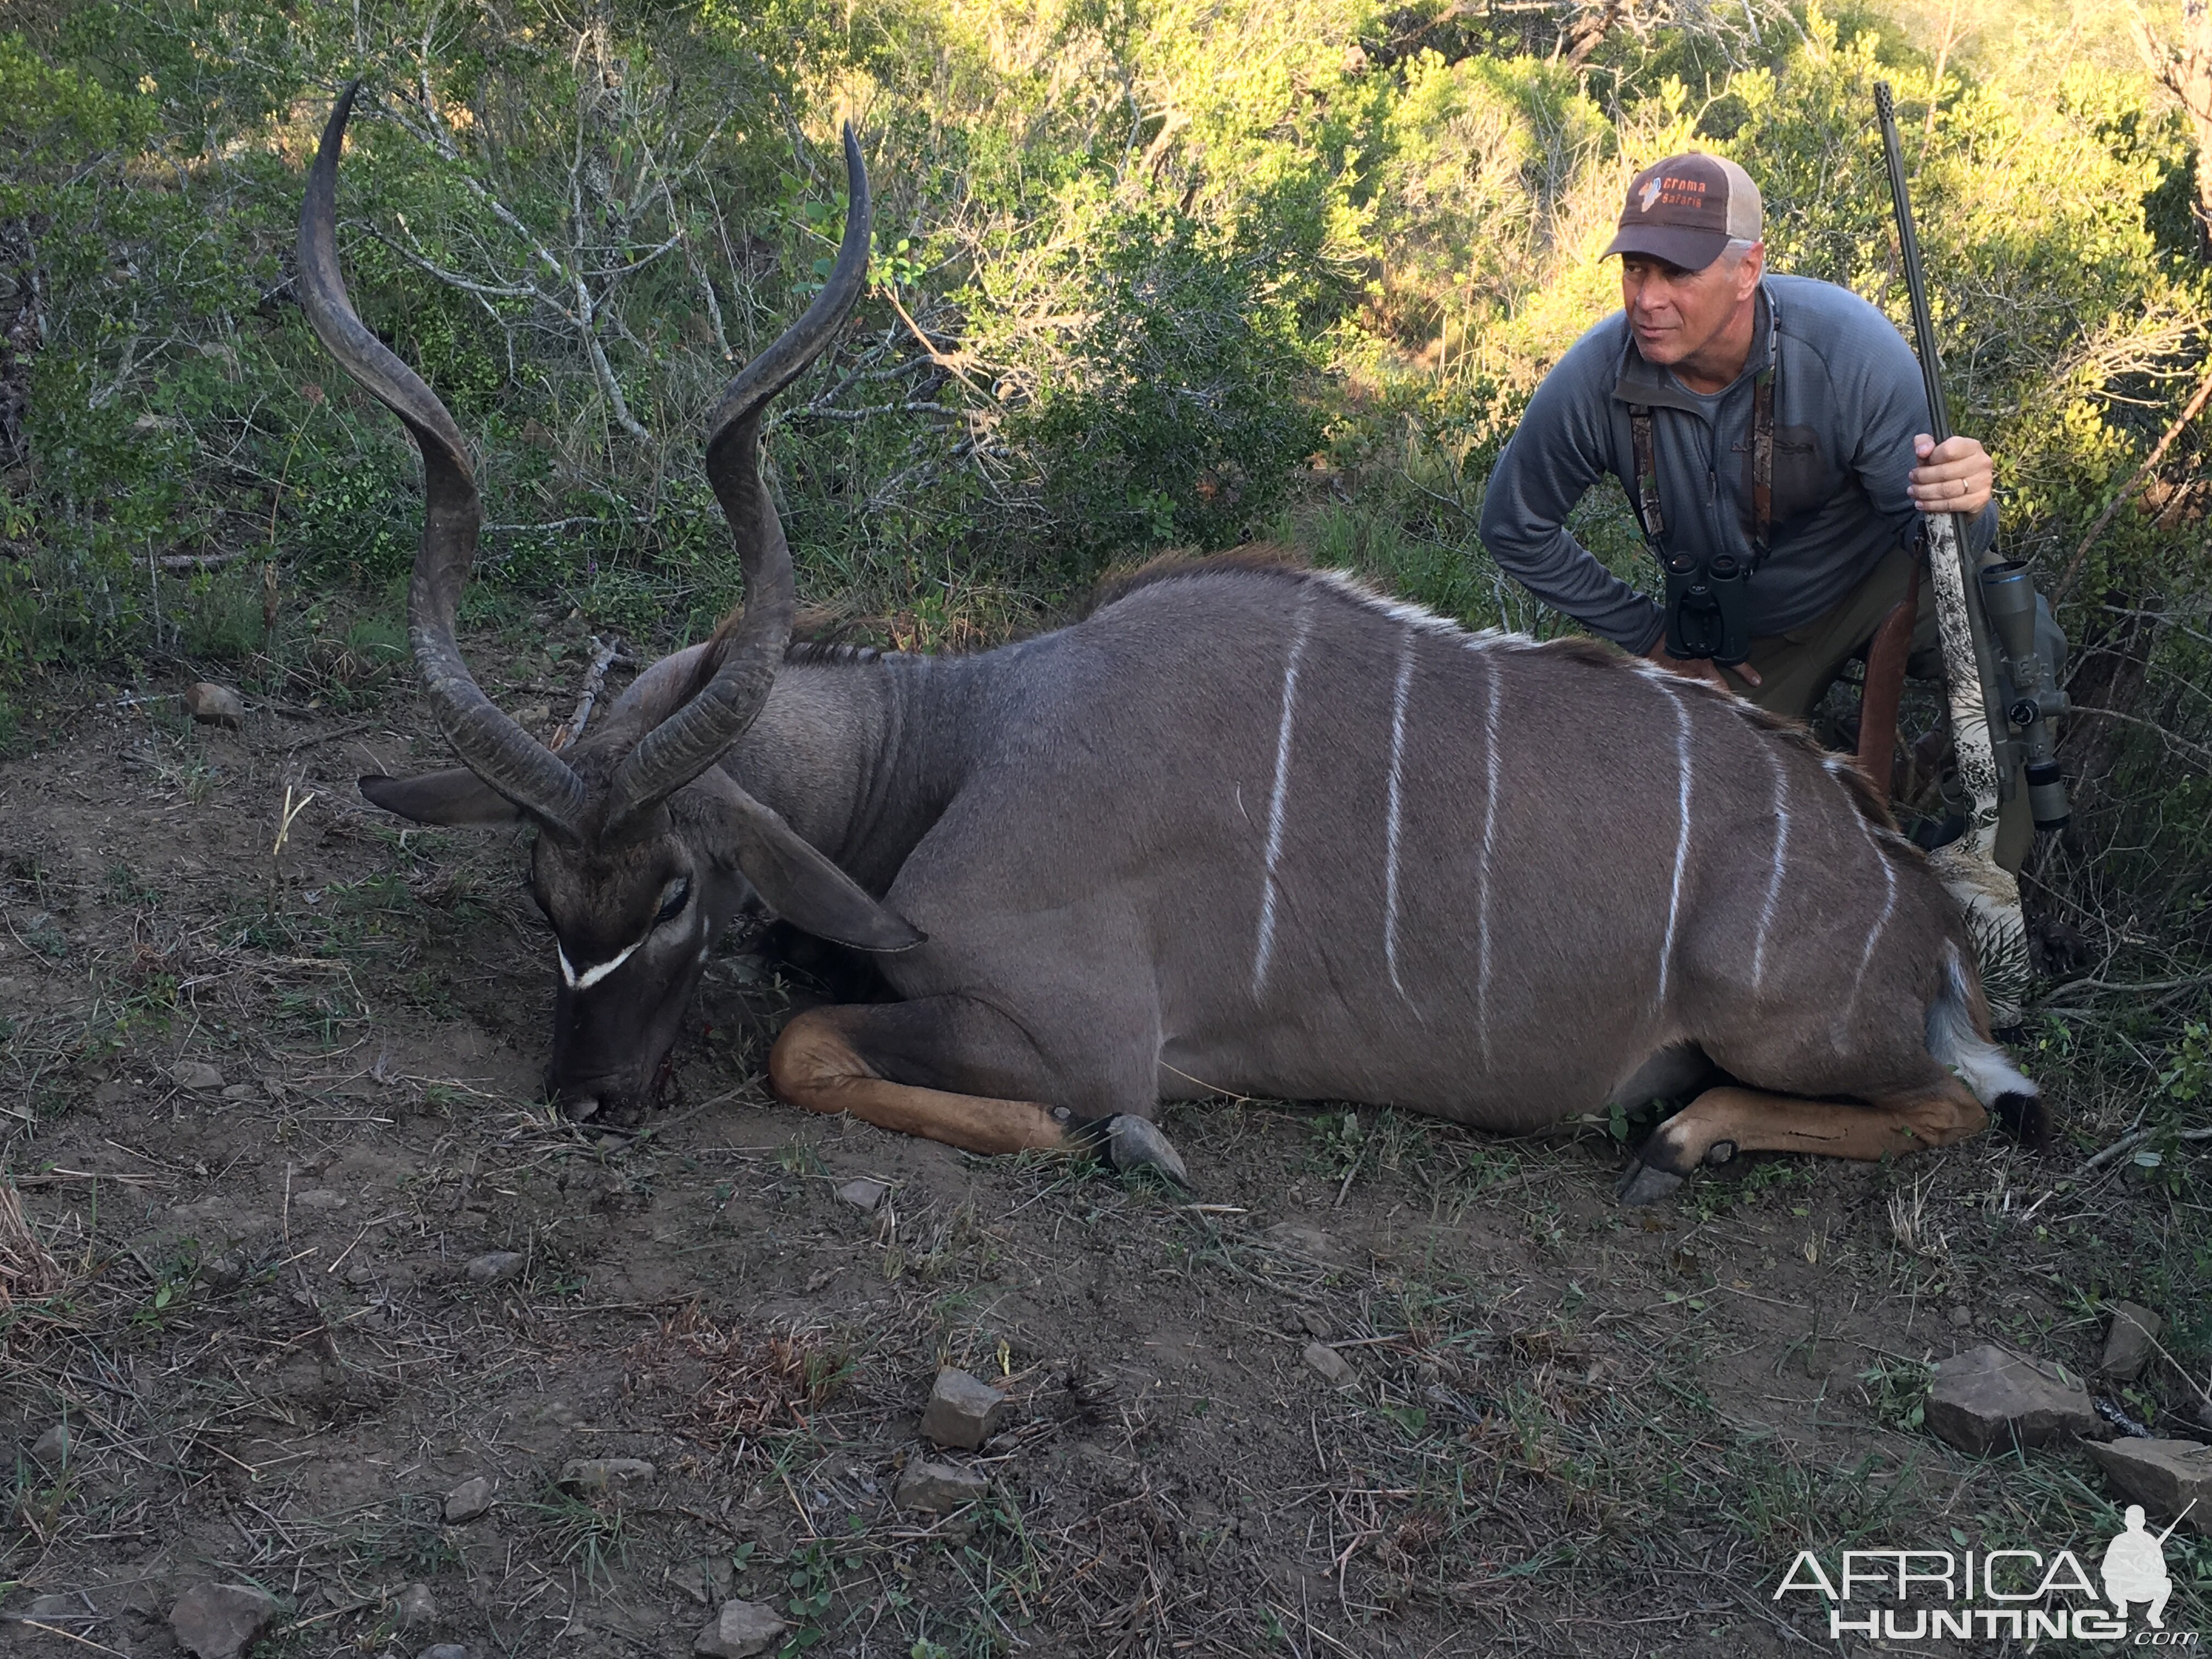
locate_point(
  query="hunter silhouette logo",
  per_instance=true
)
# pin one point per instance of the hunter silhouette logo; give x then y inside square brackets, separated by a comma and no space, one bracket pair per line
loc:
[2134,1567]
[1998,1594]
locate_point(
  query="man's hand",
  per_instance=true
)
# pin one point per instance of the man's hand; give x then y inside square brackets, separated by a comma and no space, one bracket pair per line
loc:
[1954,477]
[1702,668]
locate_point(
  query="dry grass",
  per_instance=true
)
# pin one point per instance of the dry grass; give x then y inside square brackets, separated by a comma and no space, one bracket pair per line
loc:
[28,1271]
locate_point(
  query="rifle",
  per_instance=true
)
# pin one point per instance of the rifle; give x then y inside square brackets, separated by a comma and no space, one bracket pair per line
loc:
[2016,684]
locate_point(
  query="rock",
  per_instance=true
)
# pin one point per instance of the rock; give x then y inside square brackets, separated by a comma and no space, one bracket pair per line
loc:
[219,1621]
[318,1198]
[865,1194]
[359,1273]
[963,1411]
[417,1609]
[444,1650]
[740,1631]
[1333,1366]
[1313,1322]
[225,1271]
[1986,1400]
[1298,1239]
[241,1091]
[2129,1343]
[2163,1476]
[927,1486]
[496,1266]
[213,705]
[472,1498]
[195,1074]
[706,1581]
[1961,1317]
[52,1448]
[57,1609]
[605,1473]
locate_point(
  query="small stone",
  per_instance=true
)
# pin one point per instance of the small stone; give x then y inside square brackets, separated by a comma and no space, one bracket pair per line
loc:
[241,1091]
[444,1650]
[605,1473]
[195,1074]
[1986,1400]
[1335,1368]
[472,1498]
[213,705]
[1960,1317]
[359,1273]
[225,1271]
[417,1609]
[52,1448]
[740,1631]
[57,1609]
[496,1266]
[318,1198]
[925,1485]
[963,1411]
[706,1581]
[2131,1342]
[1298,1239]
[220,1622]
[2164,1476]
[1313,1322]
[865,1194]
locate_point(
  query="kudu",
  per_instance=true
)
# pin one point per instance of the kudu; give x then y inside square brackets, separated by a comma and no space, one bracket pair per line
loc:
[1246,828]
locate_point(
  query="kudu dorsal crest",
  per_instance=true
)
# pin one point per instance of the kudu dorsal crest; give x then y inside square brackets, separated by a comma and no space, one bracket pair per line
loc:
[1243,829]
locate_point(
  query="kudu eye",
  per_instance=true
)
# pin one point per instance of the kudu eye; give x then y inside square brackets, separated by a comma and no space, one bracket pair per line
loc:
[673,906]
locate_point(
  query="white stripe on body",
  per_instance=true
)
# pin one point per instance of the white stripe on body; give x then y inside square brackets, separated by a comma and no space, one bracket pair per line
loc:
[1265,953]
[1398,696]
[1773,875]
[1681,833]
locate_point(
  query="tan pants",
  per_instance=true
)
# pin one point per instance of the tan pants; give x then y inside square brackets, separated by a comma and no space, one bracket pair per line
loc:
[1796,667]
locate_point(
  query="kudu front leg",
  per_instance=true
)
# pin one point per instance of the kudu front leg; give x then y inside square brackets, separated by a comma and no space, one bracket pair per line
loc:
[1721,1122]
[835,1060]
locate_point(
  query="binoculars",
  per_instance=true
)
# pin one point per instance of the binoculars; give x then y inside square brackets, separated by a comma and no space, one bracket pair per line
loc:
[1707,607]
[2030,651]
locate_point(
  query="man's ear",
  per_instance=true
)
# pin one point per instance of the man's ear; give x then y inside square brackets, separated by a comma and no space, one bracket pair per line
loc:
[458,796]
[799,884]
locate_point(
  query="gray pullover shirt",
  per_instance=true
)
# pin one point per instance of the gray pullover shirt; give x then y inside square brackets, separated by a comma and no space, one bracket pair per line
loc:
[1848,402]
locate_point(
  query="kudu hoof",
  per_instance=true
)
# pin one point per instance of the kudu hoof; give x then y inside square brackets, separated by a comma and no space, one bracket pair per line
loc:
[1136,1143]
[1644,1184]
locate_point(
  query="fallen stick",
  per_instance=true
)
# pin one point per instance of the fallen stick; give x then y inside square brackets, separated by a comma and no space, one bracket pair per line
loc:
[602,657]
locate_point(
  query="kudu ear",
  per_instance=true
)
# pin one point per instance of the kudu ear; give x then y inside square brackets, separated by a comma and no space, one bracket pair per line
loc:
[802,887]
[457,796]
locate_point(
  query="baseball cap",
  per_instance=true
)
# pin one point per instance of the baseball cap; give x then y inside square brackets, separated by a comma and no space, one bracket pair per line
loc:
[1687,209]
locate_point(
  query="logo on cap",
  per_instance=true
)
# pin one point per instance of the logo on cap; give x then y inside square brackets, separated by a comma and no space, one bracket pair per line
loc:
[1649,194]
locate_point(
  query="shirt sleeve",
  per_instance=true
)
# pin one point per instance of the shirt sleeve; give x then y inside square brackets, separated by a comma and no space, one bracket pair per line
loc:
[1556,454]
[1895,398]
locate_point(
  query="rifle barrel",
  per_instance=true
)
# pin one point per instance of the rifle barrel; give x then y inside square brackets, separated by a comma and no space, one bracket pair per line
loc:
[1916,280]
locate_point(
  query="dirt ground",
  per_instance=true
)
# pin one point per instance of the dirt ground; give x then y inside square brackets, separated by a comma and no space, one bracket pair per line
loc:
[1570,1428]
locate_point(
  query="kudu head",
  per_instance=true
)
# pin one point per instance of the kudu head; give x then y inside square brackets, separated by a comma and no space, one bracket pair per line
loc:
[646,846]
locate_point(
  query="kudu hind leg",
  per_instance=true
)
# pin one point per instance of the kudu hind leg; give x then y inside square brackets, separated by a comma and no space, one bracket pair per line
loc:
[1721,1122]
[834,1059]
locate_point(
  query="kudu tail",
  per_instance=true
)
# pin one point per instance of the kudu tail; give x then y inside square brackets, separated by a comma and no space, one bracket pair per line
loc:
[1959,1038]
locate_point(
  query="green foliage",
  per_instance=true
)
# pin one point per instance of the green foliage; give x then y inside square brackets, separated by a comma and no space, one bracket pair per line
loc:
[1187,396]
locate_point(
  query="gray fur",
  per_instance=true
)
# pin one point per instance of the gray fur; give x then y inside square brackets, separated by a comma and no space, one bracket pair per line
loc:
[1080,825]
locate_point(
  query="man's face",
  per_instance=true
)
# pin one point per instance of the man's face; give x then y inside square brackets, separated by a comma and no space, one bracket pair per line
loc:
[1676,314]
